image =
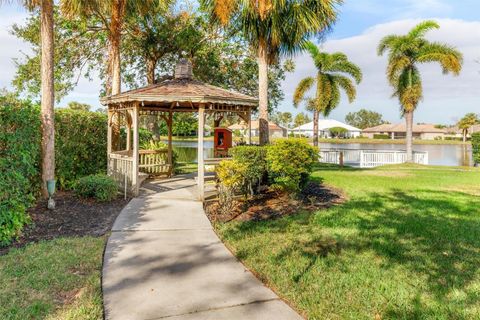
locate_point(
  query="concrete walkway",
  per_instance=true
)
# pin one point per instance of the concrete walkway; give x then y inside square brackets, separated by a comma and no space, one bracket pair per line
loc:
[163,260]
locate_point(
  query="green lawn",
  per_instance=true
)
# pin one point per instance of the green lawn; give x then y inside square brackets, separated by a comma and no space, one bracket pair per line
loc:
[58,279]
[406,245]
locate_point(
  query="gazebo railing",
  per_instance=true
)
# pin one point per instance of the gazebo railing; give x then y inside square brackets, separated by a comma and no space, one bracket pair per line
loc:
[155,162]
[120,168]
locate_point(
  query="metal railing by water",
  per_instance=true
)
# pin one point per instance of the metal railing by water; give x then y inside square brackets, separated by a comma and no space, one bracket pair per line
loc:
[369,158]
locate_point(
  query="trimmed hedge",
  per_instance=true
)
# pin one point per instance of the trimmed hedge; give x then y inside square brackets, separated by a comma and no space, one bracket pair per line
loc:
[80,145]
[476,147]
[254,159]
[19,164]
[98,186]
[80,149]
[381,136]
[290,162]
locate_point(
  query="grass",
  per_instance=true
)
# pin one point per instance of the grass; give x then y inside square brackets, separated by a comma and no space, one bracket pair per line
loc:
[57,279]
[406,245]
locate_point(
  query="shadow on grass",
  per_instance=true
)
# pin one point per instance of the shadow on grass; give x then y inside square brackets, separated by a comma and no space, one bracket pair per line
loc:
[433,234]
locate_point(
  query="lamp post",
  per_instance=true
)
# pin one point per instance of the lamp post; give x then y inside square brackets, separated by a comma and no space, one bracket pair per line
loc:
[51,191]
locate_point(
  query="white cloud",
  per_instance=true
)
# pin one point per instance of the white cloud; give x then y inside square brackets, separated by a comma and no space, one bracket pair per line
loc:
[446,97]
[11,47]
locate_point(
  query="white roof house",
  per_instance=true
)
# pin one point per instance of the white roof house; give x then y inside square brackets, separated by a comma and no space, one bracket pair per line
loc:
[324,126]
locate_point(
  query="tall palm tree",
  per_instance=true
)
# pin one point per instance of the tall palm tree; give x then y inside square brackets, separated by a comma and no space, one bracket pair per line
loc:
[466,123]
[47,90]
[406,53]
[274,29]
[334,72]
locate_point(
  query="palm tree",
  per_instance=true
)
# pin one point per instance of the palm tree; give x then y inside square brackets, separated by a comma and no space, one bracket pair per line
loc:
[466,123]
[47,90]
[406,52]
[274,29]
[334,72]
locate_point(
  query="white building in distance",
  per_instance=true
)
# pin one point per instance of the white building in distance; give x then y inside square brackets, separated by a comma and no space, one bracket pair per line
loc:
[324,126]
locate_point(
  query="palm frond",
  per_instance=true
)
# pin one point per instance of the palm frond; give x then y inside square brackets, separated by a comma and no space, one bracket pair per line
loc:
[449,58]
[422,28]
[347,85]
[347,67]
[302,88]
[387,43]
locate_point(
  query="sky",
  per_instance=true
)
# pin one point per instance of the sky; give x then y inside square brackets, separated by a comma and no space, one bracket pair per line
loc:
[361,24]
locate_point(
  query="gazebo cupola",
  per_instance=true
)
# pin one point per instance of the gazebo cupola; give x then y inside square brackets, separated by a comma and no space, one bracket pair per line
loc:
[181,94]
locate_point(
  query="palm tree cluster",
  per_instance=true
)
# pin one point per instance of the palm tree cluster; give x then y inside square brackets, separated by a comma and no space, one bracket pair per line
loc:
[405,54]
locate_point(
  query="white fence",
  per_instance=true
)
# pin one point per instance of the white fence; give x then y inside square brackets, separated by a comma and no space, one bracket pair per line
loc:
[369,158]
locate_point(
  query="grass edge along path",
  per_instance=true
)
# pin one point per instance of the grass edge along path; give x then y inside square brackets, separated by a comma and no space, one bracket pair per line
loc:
[405,246]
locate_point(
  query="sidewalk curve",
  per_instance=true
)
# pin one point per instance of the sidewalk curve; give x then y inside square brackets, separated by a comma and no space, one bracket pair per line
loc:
[164,261]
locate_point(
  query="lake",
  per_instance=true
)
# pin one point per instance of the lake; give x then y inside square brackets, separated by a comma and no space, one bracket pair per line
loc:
[445,155]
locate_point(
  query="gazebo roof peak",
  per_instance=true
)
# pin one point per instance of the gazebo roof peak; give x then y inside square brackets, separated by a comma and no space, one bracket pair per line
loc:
[184,69]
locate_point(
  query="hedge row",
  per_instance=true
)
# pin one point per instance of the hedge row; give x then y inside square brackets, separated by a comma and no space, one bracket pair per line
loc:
[19,164]
[80,150]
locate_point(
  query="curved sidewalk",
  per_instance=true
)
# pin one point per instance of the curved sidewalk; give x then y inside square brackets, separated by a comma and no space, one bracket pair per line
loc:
[163,260]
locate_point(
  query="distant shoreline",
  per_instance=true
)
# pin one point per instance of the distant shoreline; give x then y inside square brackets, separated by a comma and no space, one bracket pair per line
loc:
[344,141]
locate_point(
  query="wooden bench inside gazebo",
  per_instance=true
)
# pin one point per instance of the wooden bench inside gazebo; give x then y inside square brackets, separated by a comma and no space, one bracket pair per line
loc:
[128,164]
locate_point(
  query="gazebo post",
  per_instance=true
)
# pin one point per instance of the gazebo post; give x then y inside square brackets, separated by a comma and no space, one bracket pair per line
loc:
[249,127]
[170,153]
[201,166]
[129,131]
[135,154]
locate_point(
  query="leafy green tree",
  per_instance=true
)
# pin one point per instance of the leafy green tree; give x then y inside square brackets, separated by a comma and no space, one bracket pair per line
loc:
[283,119]
[406,53]
[364,119]
[184,124]
[273,29]
[73,105]
[338,132]
[111,16]
[466,123]
[300,119]
[78,51]
[334,72]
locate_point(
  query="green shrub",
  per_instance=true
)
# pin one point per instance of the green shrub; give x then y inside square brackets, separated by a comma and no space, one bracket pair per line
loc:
[290,162]
[19,164]
[98,186]
[254,160]
[381,136]
[476,147]
[230,174]
[80,145]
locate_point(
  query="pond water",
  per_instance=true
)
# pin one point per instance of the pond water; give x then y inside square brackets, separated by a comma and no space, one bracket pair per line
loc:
[445,155]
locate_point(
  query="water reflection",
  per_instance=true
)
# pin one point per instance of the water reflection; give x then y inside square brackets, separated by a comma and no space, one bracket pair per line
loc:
[445,155]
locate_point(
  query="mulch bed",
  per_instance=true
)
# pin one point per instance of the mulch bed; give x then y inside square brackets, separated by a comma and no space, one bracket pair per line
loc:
[72,217]
[271,204]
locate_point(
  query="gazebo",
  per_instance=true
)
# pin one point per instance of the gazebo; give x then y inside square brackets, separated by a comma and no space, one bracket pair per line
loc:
[128,164]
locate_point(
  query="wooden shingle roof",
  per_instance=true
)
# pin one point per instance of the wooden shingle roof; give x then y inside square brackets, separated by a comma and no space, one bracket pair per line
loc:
[182,90]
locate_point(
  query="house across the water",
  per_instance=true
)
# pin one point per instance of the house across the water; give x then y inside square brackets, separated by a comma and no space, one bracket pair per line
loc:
[275,130]
[398,131]
[324,126]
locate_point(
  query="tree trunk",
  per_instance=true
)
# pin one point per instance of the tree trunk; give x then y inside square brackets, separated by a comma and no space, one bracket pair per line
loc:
[315,128]
[116,23]
[47,92]
[409,135]
[464,136]
[151,65]
[263,93]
